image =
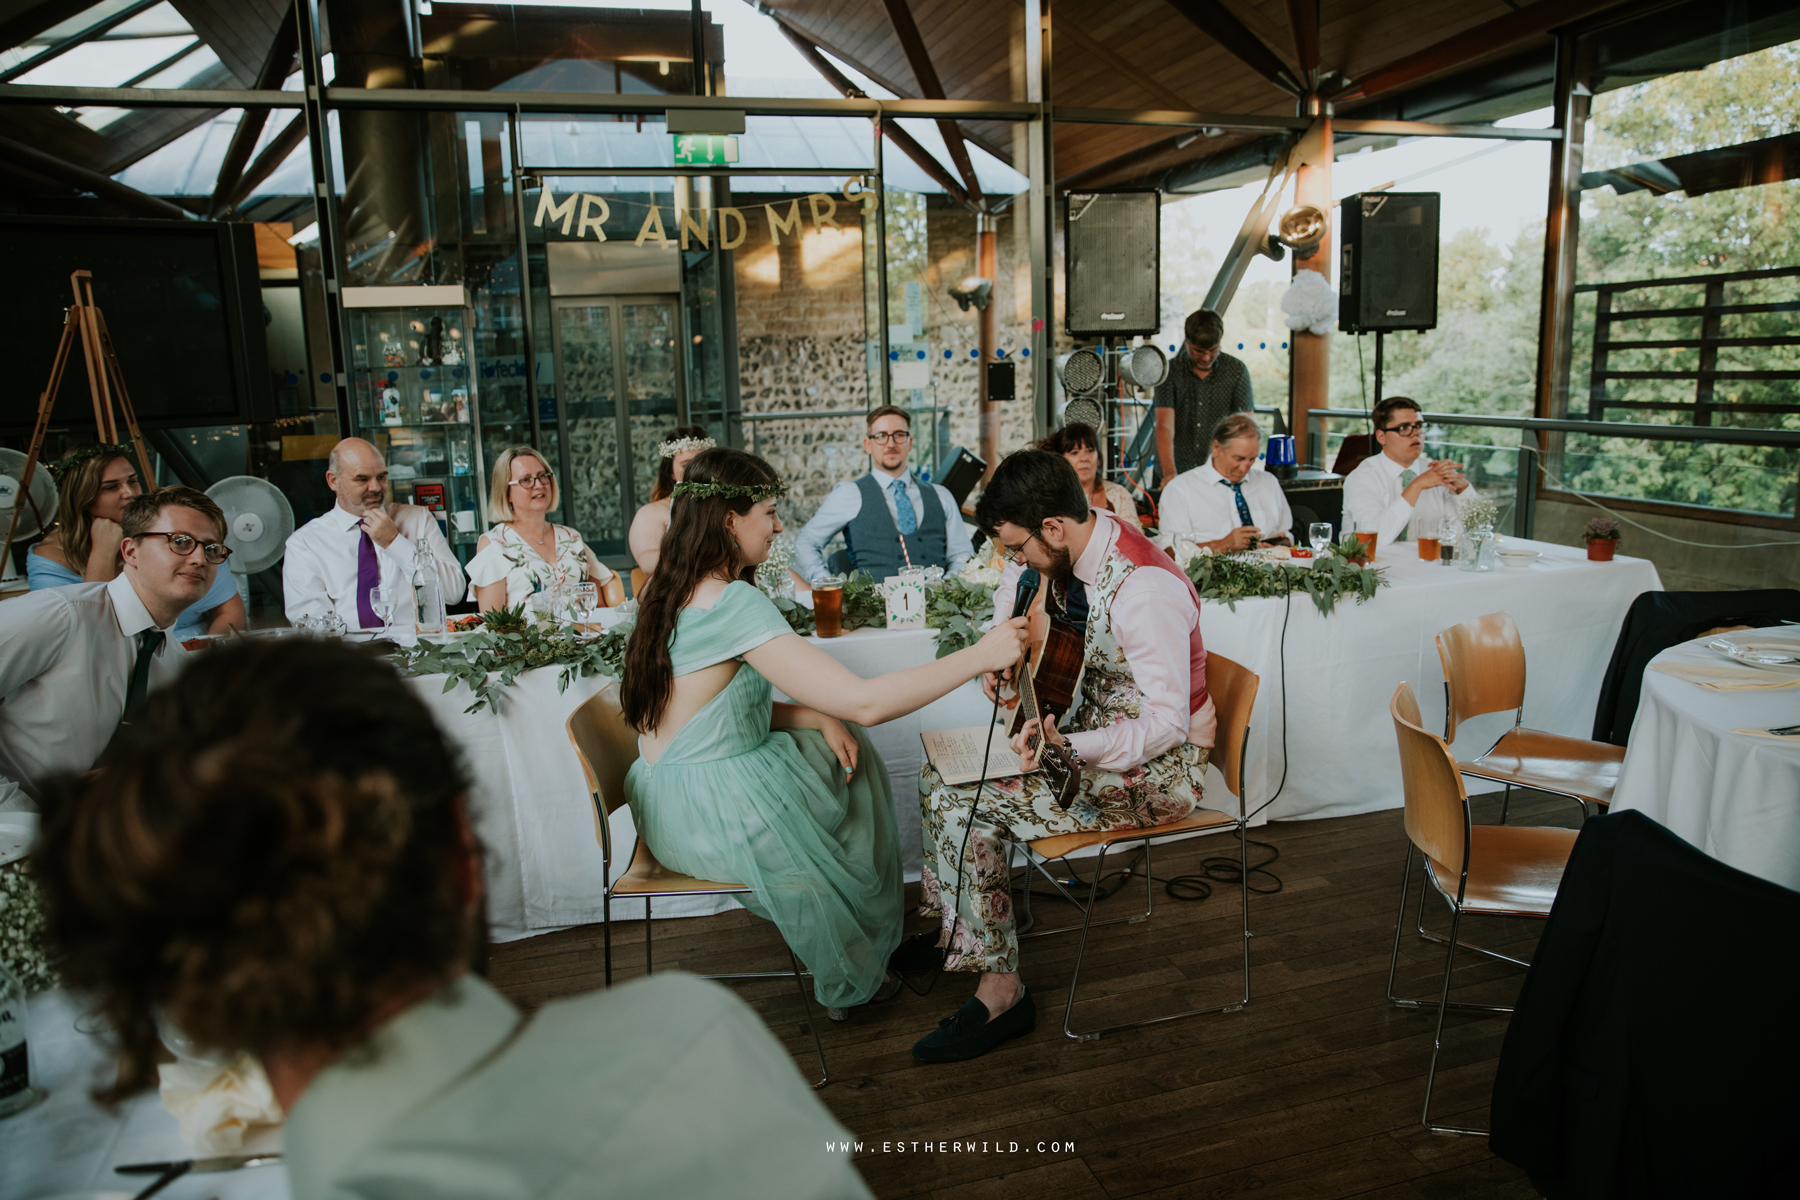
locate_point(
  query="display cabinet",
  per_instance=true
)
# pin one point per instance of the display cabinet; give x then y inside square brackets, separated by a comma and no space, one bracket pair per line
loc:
[414,395]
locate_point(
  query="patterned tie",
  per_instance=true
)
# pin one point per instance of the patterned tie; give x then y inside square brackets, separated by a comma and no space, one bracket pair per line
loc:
[1243,506]
[1406,478]
[903,509]
[368,576]
[149,642]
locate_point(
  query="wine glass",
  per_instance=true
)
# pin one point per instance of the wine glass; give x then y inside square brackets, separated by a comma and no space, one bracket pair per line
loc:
[382,602]
[1319,535]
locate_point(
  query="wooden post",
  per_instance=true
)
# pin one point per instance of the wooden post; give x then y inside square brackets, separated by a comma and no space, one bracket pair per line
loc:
[1312,352]
[987,266]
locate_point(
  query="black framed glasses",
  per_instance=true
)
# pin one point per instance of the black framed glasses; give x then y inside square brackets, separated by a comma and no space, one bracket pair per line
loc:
[184,544]
[541,479]
[1410,427]
[898,438]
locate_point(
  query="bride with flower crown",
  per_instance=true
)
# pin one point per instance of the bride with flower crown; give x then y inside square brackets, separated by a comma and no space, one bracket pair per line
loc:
[790,800]
[652,520]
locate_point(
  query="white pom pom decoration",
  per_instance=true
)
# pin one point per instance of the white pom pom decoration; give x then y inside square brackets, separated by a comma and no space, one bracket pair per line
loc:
[1311,303]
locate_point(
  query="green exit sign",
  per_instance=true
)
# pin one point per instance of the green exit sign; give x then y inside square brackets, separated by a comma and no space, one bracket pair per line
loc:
[705,149]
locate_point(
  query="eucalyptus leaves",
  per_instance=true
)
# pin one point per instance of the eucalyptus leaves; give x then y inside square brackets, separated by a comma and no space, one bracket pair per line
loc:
[1231,578]
[487,660]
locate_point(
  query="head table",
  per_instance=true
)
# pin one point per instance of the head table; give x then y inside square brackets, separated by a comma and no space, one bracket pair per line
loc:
[536,820]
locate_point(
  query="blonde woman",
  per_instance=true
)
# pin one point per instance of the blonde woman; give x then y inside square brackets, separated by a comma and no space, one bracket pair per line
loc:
[96,483]
[652,520]
[525,553]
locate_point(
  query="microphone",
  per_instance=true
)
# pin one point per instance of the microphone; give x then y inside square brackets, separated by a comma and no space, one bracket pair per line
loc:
[1029,581]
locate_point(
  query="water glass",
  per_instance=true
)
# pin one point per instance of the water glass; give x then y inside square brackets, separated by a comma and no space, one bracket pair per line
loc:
[382,602]
[1319,535]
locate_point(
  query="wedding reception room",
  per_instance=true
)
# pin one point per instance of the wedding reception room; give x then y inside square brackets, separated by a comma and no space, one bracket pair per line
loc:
[1254,544]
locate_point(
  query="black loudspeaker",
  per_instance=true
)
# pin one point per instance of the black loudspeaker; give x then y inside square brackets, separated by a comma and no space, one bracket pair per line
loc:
[1388,262]
[962,474]
[1001,382]
[1112,270]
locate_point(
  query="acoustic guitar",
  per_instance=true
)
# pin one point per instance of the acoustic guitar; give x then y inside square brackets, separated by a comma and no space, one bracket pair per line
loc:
[1048,688]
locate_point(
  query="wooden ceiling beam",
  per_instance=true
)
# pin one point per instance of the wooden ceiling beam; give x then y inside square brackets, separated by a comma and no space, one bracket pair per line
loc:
[1303,16]
[930,88]
[1533,20]
[1222,25]
[276,65]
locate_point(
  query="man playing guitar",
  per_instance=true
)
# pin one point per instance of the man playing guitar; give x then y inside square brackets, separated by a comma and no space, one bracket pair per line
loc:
[1138,733]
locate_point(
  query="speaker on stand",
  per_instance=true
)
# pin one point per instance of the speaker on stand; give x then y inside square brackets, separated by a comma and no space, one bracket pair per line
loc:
[1388,266]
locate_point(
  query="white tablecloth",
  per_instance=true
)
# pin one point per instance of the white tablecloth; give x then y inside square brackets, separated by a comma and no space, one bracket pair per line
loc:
[68,1143]
[1342,669]
[531,803]
[1735,796]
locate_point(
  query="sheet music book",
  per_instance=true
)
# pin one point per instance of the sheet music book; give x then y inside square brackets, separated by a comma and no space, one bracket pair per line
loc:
[956,753]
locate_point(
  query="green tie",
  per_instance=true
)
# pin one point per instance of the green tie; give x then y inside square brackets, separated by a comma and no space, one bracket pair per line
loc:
[149,642]
[1406,478]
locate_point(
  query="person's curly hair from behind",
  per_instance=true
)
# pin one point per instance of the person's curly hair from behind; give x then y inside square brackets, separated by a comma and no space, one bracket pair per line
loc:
[274,851]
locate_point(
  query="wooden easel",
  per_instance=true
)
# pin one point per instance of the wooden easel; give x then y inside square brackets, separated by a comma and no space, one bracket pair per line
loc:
[85,321]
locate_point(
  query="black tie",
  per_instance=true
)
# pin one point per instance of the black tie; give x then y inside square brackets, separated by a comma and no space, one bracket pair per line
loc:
[149,642]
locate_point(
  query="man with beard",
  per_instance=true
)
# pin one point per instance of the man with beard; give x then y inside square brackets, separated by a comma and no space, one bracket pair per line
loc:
[1139,733]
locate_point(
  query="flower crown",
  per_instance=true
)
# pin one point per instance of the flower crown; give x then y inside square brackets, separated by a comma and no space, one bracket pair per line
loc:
[732,491]
[69,462]
[671,449]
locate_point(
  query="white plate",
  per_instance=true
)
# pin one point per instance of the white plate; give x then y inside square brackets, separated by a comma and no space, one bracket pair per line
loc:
[1519,558]
[1781,655]
[17,831]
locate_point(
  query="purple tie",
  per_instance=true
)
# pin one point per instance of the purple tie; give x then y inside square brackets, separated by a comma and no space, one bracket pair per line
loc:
[368,575]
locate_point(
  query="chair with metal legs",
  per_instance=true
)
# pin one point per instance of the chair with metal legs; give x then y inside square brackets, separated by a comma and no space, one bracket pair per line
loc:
[1233,692]
[1484,672]
[607,747]
[1479,870]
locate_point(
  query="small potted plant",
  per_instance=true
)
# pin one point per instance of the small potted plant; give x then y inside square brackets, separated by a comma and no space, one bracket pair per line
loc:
[1602,537]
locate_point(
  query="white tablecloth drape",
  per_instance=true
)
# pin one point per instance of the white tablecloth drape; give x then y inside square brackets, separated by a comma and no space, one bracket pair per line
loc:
[1735,796]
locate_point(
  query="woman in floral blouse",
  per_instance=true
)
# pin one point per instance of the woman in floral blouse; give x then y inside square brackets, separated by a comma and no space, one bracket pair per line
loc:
[525,553]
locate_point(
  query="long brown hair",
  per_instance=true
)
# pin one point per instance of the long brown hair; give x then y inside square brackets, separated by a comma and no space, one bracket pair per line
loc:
[79,489]
[696,545]
[665,470]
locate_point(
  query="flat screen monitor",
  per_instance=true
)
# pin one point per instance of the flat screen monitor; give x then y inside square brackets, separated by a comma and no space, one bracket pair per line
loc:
[181,301]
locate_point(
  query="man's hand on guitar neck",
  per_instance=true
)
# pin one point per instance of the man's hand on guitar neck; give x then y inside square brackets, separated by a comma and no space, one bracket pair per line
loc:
[1022,742]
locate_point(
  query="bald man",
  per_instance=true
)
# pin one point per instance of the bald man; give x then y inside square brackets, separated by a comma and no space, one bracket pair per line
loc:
[334,561]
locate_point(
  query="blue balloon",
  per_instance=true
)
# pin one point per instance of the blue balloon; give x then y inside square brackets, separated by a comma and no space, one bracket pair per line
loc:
[393,376]
[324,376]
[921,356]
[1025,353]
[974,354]
[894,355]
[946,354]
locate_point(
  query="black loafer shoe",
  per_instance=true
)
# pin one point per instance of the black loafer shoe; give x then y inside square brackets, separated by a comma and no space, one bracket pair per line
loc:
[970,1034]
[917,953]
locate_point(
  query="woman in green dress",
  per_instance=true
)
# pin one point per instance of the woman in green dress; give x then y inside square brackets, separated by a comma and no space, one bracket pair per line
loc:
[789,799]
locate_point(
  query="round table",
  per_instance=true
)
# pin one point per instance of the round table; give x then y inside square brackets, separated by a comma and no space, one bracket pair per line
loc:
[1736,796]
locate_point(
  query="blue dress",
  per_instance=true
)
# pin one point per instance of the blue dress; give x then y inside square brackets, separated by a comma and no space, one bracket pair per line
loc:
[734,801]
[41,572]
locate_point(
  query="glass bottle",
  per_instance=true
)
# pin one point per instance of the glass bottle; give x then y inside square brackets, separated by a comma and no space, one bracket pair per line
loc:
[426,590]
[16,1092]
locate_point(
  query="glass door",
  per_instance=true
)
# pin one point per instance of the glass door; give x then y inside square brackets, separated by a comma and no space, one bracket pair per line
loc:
[618,365]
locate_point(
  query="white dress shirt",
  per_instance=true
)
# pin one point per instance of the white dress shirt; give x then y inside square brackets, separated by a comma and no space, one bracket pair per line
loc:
[319,575]
[1152,619]
[66,656]
[844,502]
[1199,505]
[1373,496]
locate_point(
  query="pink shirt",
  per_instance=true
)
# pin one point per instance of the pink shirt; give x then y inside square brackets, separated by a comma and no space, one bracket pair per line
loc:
[1154,618]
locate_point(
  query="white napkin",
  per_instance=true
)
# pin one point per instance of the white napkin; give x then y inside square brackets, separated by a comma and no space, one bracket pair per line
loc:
[217,1105]
[1725,679]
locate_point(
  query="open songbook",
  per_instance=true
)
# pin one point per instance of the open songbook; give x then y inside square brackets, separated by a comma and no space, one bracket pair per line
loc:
[956,753]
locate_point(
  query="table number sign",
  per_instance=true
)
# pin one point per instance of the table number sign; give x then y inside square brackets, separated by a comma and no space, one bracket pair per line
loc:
[905,594]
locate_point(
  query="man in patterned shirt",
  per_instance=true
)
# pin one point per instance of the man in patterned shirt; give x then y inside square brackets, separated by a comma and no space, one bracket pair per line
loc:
[1205,385]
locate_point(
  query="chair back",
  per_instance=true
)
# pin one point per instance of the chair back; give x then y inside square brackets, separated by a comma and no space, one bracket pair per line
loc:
[1484,669]
[638,578]
[607,747]
[1233,691]
[1437,817]
[1352,451]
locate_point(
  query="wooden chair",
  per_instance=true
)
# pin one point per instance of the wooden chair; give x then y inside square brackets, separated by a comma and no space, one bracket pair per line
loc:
[1484,672]
[607,747]
[1479,870]
[638,579]
[1233,690]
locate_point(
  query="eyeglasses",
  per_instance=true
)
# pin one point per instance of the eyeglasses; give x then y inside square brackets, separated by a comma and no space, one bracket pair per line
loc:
[1403,430]
[542,479]
[898,438]
[184,545]
[1010,554]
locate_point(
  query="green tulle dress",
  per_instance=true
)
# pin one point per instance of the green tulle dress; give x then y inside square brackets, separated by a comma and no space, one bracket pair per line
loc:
[732,800]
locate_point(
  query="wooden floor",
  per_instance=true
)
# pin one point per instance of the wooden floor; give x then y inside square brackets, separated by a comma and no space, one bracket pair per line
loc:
[1312,1091]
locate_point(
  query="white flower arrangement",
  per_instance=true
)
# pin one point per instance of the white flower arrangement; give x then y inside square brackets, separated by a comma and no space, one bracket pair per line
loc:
[1311,303]
[772,576]
[22,930]
[979,573]
[1479,512]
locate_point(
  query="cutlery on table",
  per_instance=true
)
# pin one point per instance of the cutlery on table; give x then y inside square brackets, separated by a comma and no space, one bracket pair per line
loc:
[200,1166]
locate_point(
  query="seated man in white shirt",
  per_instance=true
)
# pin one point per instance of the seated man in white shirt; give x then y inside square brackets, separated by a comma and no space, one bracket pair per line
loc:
[77,661]
[882,536]
[334,561]
[1228,502]
[1400,493]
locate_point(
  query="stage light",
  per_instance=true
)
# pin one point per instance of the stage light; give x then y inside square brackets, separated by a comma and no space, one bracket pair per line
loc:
[1081,371]
[1302,228]
[1143,366]
[973,290]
